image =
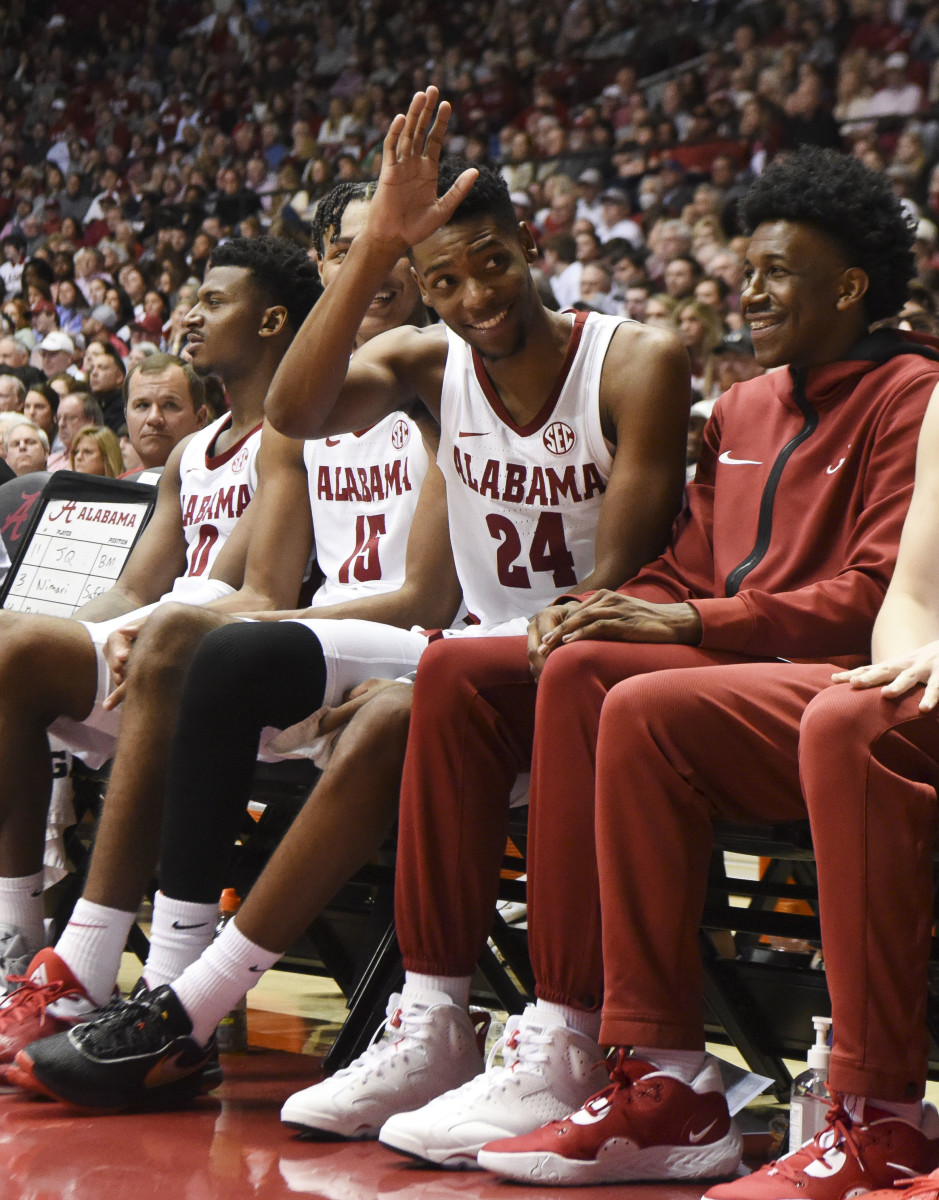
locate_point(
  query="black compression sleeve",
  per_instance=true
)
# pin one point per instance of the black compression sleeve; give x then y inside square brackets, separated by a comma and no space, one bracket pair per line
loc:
[242,677]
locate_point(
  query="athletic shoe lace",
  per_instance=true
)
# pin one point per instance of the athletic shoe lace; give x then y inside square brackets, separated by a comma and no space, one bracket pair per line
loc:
[625,1073]
[838,1132]
[521,1044]
[921,1185]
[407,1027]
[135,1026]
[29,997]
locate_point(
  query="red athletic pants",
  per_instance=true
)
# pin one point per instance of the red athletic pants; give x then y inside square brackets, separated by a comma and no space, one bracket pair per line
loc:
[473,727]
[674,749]
[678,748]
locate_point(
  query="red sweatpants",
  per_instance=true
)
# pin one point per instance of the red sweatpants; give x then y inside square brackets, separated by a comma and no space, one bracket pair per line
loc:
[676,749]
[475,718]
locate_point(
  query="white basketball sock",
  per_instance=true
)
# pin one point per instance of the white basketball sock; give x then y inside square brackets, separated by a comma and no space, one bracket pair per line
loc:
[215,983]
[21,907]
[179,931]
[455,986]
[683,1064]
[91,946]
[579,1019]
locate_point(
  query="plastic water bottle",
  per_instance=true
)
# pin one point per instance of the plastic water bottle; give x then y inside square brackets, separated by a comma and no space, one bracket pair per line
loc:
[809,1099]
[232,1032]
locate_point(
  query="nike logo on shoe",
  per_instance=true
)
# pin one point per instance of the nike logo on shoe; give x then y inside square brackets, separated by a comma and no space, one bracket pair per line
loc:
[694,1138]
[256,970]
[167,1070]
[727,458]
[198,925]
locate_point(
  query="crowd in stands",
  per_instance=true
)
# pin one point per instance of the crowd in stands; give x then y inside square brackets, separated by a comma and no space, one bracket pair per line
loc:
[135,137]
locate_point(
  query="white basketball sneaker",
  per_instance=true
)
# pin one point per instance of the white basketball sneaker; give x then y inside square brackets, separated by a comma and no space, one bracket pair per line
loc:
[548,1072]
[429,1046]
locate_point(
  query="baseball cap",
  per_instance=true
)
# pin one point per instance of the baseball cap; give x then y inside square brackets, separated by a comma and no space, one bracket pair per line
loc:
[591,176]
[149,323]
[105,315]
[56,341]
[614,196]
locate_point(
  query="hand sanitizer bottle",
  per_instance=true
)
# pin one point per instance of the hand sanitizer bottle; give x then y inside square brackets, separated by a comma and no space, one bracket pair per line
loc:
[809,1100]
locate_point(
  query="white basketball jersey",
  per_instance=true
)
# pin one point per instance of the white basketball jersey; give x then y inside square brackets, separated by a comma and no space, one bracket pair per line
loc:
[363,491]
[523,502]
[215,489]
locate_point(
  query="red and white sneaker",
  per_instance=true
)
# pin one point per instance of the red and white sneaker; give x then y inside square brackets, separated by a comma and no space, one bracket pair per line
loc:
[47,1000]
[645,1125]
[849,1157]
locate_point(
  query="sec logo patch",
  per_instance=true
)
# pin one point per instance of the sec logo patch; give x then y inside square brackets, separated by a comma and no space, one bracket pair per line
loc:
[559,438]
[400,434]
[240,461]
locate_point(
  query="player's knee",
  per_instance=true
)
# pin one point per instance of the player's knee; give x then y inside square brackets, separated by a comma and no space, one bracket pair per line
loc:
[837,714]
[166,644]
[568,667]
[23,650]
[392,709]
[380,729]
[232,660]
[439,663]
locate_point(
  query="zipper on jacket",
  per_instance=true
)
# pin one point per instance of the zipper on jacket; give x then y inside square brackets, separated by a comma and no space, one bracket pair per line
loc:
[764,525]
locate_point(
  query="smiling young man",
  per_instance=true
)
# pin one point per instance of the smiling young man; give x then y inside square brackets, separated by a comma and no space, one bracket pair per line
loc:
[826,445]
[785,553]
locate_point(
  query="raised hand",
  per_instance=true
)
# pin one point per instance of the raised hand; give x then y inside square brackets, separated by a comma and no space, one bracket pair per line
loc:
[406,209]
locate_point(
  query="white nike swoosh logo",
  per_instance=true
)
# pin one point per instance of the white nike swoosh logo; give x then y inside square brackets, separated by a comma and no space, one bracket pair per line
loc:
[832,470]
[728,460]
[694,1138]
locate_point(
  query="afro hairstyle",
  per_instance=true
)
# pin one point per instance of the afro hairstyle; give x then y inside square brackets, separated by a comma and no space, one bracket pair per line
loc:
[849,203]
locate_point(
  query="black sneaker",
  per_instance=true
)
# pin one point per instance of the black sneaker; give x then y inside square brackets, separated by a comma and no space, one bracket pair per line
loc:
[136,1054]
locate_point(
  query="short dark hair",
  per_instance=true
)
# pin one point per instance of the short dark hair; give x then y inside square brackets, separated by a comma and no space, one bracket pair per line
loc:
[696,269]
[330,209]
[852,205]
[277,267]
[489,195]
[112,353]
[156,364]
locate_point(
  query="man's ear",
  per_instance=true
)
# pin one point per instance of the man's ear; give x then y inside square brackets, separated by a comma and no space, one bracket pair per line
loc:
[526,237]
[854,286]
[202,417]
[273,321]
